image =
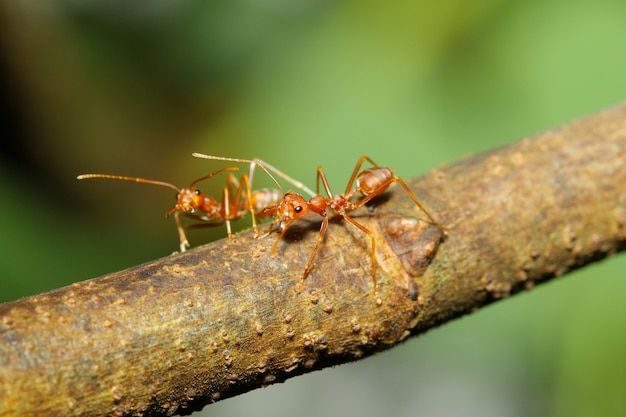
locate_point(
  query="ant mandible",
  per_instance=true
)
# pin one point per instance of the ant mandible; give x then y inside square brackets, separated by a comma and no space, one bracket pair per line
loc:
[370,182]
[190,201]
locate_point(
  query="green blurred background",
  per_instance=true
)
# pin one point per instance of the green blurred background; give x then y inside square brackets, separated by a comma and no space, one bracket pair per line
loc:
[134,87]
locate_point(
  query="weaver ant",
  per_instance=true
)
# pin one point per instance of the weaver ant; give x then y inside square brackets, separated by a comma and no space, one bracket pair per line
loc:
[370,182]
[195,204]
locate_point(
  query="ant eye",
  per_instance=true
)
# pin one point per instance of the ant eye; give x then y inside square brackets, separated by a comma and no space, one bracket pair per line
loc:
[298,209]
[197,192]
[177,196]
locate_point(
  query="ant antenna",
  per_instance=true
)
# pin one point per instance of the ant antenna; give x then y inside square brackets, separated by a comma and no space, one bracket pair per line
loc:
[265,167]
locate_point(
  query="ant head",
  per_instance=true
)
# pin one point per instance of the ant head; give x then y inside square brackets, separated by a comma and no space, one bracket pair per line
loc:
[188,200]
[291,208]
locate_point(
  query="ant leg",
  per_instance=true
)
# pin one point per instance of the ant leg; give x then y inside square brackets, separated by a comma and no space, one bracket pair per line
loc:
[416,201]
[317,246]
[271,212]
[245,180]
[373,240]
[278,239]
[236,187]
[283,226]
[383,186]
[184,243]
[322,176]
[226,205]
[357,168]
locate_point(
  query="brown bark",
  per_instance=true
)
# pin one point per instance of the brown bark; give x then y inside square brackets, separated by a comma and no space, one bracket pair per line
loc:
[175,334]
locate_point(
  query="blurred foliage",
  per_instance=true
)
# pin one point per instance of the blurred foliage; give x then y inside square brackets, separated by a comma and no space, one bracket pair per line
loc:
[133,87]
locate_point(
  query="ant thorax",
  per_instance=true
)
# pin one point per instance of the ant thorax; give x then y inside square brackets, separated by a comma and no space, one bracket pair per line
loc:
[338,203]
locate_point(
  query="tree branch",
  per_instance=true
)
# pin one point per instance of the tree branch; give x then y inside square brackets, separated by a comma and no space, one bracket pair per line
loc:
[175,334]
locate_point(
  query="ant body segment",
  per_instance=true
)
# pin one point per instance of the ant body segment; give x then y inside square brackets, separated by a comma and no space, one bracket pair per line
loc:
[370,183]
[193,203]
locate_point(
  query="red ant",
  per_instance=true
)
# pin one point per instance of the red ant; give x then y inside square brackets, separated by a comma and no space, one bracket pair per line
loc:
[190,201]
[370,182]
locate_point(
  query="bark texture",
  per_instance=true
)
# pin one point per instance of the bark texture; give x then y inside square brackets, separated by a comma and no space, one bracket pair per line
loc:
[173,335]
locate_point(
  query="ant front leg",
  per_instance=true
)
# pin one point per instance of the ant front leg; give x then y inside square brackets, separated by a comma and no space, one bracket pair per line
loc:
[184,243]
[320,238]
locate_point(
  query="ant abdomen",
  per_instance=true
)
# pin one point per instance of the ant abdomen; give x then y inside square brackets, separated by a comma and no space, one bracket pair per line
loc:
[374,180]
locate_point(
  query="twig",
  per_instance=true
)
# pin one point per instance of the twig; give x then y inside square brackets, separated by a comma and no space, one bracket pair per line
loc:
[175,334]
